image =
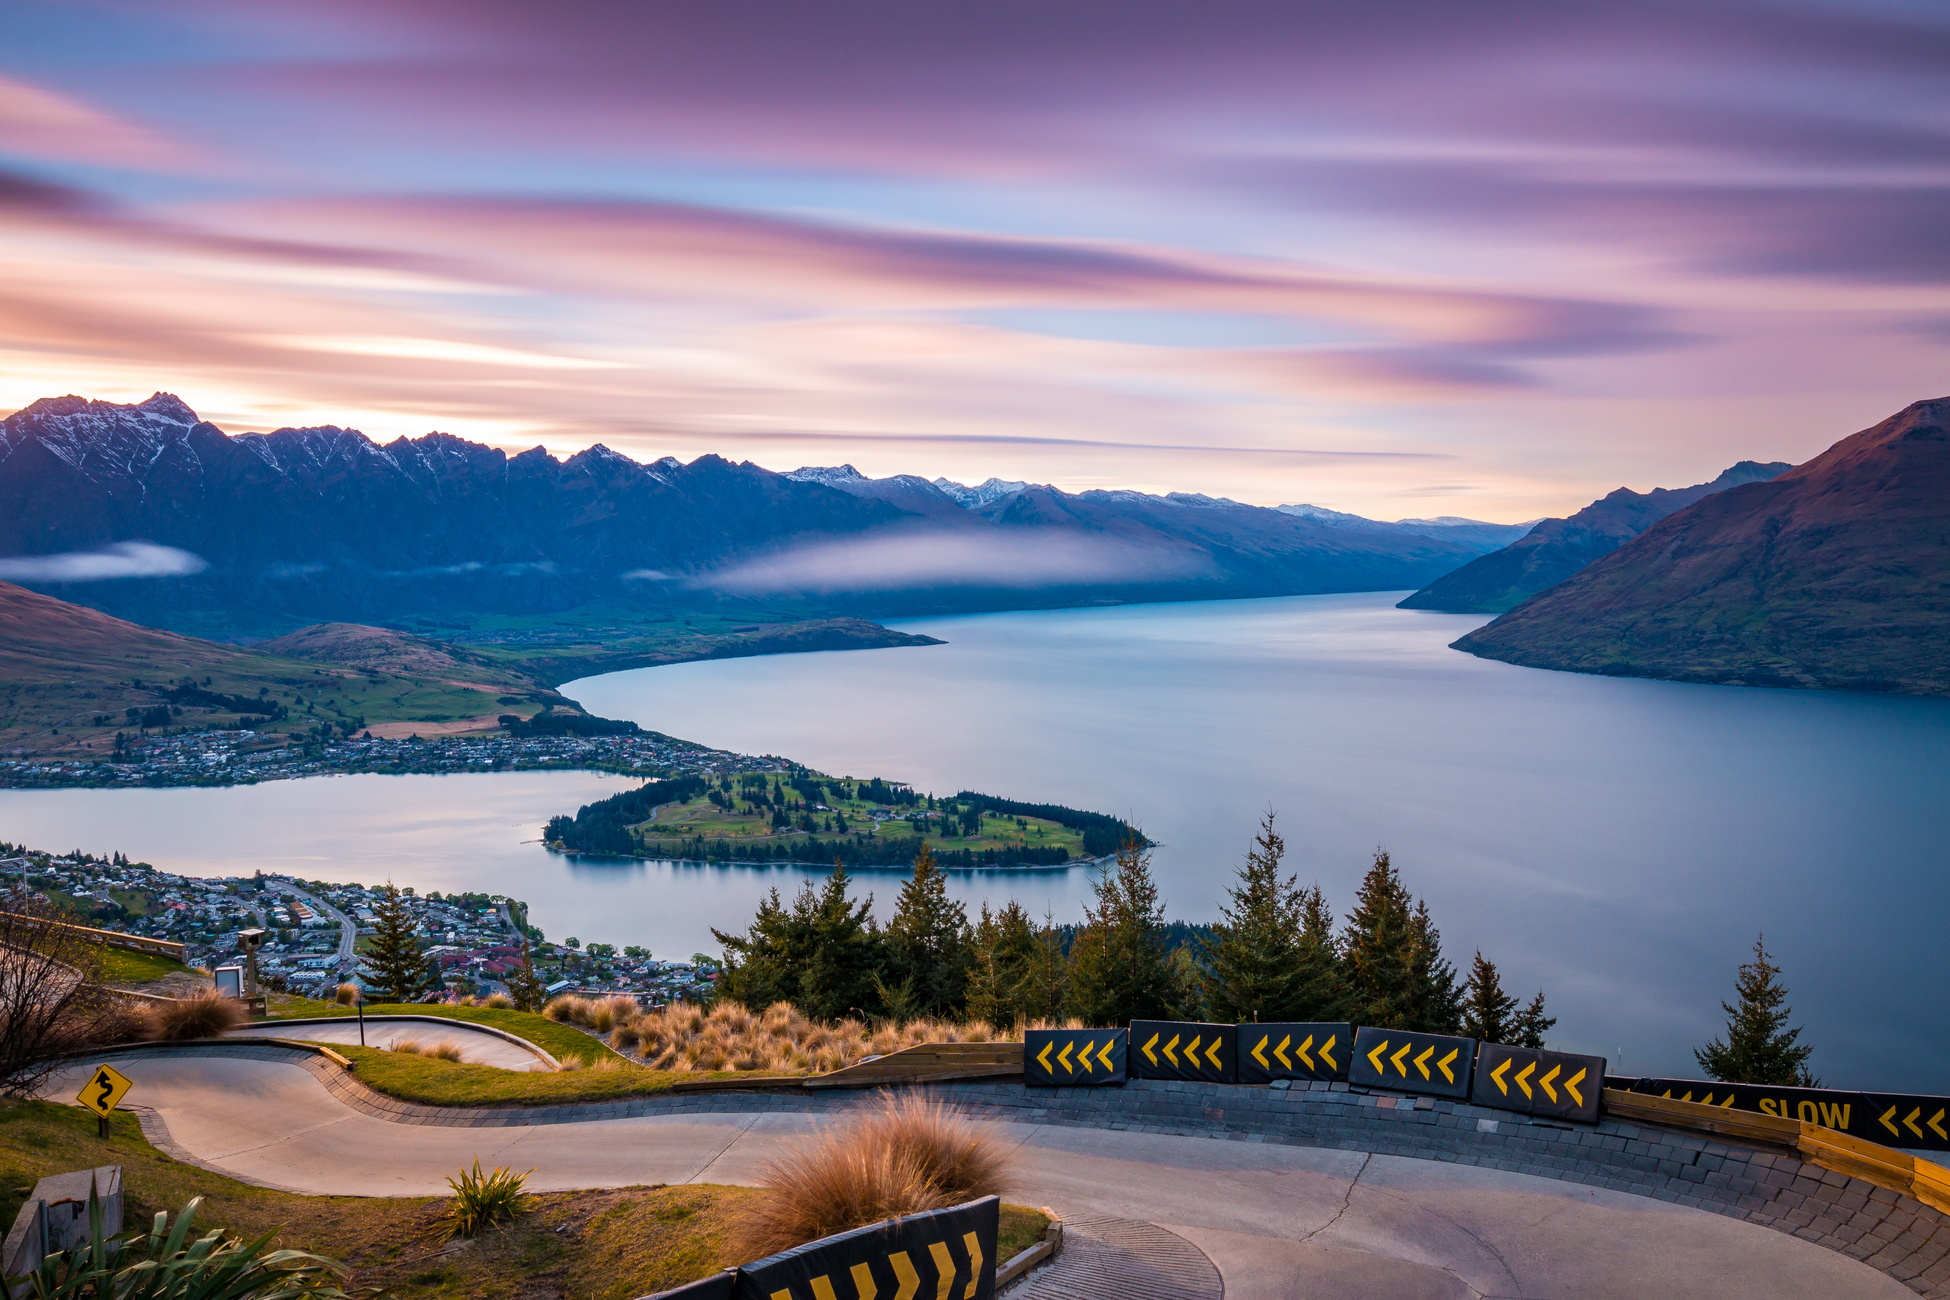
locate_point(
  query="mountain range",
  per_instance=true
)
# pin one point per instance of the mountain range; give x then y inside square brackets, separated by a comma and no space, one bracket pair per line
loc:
[1554,549]
[150,513]
[1834,574]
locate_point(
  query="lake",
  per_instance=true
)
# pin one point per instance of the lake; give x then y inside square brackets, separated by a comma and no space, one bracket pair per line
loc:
[1618,843]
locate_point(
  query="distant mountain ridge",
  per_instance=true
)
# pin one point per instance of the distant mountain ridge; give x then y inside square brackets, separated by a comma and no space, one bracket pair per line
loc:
[1835,574]
[1447,527]
[1557,548]
[302,526]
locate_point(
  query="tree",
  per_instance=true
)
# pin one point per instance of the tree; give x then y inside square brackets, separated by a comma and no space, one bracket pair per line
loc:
[1489,1014]
[524,985]
[1531,1024]
[823,954]
[50,1002]
[928,941]
[1759,1047]
[1044,994]
[398,965]
[1271,956]
[1120,968]
[1392,957]
[1004,948]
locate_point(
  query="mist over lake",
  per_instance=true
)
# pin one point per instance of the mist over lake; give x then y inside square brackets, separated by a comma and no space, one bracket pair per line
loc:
[1617,842]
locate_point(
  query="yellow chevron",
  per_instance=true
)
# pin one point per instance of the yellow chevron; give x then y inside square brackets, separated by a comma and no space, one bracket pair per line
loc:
[781,1295]
[1886,1124]
[1422,1061]
[1147,1049]
[1545,1081]
[1374,1057]
[1083,1057]
[1571,1086]
[1212,1053]
[1910,1122]
[1728,1103]
[1063,1059]
[1523,1081]
[1398,1057]
[944,1264]
[1168,1046]
[1259,1052]
[1280,1051]
[1103,1053]
[1936,1123]
[863,1283]
[1191,1055]
[1496,1075]
[822,1288]
[1042,1057]
[974,1266]
[1327,1047]
[904,1273]
[1443,1064]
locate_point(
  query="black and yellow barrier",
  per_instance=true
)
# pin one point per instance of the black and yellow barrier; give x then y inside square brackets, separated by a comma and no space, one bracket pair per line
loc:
[1396,1058]
[1532,1081]
[1294,1051]
[1070,1057]
[1907,1120]
[944,1253]
[1180,1049]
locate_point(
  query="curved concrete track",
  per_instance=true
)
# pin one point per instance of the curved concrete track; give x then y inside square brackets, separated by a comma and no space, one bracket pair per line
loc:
[387,1031]
[1276,1220]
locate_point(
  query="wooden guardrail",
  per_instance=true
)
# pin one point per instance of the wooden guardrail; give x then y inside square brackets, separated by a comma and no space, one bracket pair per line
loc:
[112,938]
[1884,1166]
[927,1063]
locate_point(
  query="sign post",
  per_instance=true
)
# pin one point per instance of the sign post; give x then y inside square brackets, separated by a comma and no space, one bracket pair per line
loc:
[103,1092]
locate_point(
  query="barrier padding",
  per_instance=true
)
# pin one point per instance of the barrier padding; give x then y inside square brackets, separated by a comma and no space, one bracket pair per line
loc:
[719,1286]
[1315,1050]
[1893,1119]
[1531,1081]
[1436,1064]
[947,1252]
[1181,1049]
[1073,1057]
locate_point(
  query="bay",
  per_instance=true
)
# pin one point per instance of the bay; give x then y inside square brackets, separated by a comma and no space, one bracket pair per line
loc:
[1618,843]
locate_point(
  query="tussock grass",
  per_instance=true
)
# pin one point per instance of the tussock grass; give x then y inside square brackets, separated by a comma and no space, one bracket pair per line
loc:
[207,1015]
[684,1037]
[909,1154]
[444,1050]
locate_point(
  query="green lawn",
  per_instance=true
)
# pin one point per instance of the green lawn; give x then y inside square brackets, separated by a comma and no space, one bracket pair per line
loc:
[122,966]
[558,1041]
[745,820]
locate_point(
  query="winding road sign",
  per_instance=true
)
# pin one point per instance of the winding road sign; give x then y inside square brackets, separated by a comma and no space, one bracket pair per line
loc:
[104,1090]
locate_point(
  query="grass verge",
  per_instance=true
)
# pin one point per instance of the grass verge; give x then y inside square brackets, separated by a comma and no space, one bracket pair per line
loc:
[603,1245]
[558,1041]
[122,966]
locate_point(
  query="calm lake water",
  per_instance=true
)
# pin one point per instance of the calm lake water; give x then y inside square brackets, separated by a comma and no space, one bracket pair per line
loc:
[1618,843]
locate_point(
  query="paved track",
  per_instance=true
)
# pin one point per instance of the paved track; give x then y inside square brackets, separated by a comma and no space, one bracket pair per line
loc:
[1277,1221]
[385,1031]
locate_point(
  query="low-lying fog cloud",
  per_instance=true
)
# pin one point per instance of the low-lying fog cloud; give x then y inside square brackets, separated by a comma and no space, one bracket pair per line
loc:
[117,560]
[1036,558]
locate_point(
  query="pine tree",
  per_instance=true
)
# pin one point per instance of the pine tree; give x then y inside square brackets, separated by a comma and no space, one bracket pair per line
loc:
[848,954]
[1489,1014]
[928,942]
[1004,949]
[1120,968]
[1759,1047]
[1253,960]
[1045,988]
[398,966]
[1531,1024]
[525,986]
[1396,975]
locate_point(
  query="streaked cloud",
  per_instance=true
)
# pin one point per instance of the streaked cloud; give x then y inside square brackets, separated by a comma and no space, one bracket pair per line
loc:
[118,560]
[1039,558]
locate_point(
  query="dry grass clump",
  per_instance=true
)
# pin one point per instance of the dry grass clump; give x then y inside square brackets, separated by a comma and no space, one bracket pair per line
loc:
[347,994]
[206,1015]
[444,1050]
[499,1001]
[907,1155]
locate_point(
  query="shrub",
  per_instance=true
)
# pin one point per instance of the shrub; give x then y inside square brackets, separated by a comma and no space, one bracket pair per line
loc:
[908,1155]
[610,1012]
[569,1010]
[444,1050]
[347,994]
[206,1015]
[483,1200]
[499,1001]
[405,1046]
[165,1263]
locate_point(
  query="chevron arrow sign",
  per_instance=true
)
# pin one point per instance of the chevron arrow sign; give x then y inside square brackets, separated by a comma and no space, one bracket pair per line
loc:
[1293,1050]
[1178,1049]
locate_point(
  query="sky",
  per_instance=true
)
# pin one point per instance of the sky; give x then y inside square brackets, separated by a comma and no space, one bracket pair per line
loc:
[1403,259]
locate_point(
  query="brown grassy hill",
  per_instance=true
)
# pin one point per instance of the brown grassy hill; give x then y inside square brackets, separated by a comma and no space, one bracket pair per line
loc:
[69,676]
[1836,574]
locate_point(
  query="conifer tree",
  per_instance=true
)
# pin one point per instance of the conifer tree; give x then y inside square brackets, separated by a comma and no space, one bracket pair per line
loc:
[398,966]
[1531,1024]
[928,942]
[1489,1014]
[848,954]
[1045,989]
[1759,1047]
[999,973]
[1120,967]
[1253,962]
[1392,958]
[525,986]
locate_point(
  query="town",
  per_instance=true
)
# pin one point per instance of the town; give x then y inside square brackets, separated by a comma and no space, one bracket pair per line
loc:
[315,930]
[238,757]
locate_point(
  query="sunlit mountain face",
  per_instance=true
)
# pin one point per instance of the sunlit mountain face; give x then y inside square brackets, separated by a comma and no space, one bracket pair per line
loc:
[1409,260]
